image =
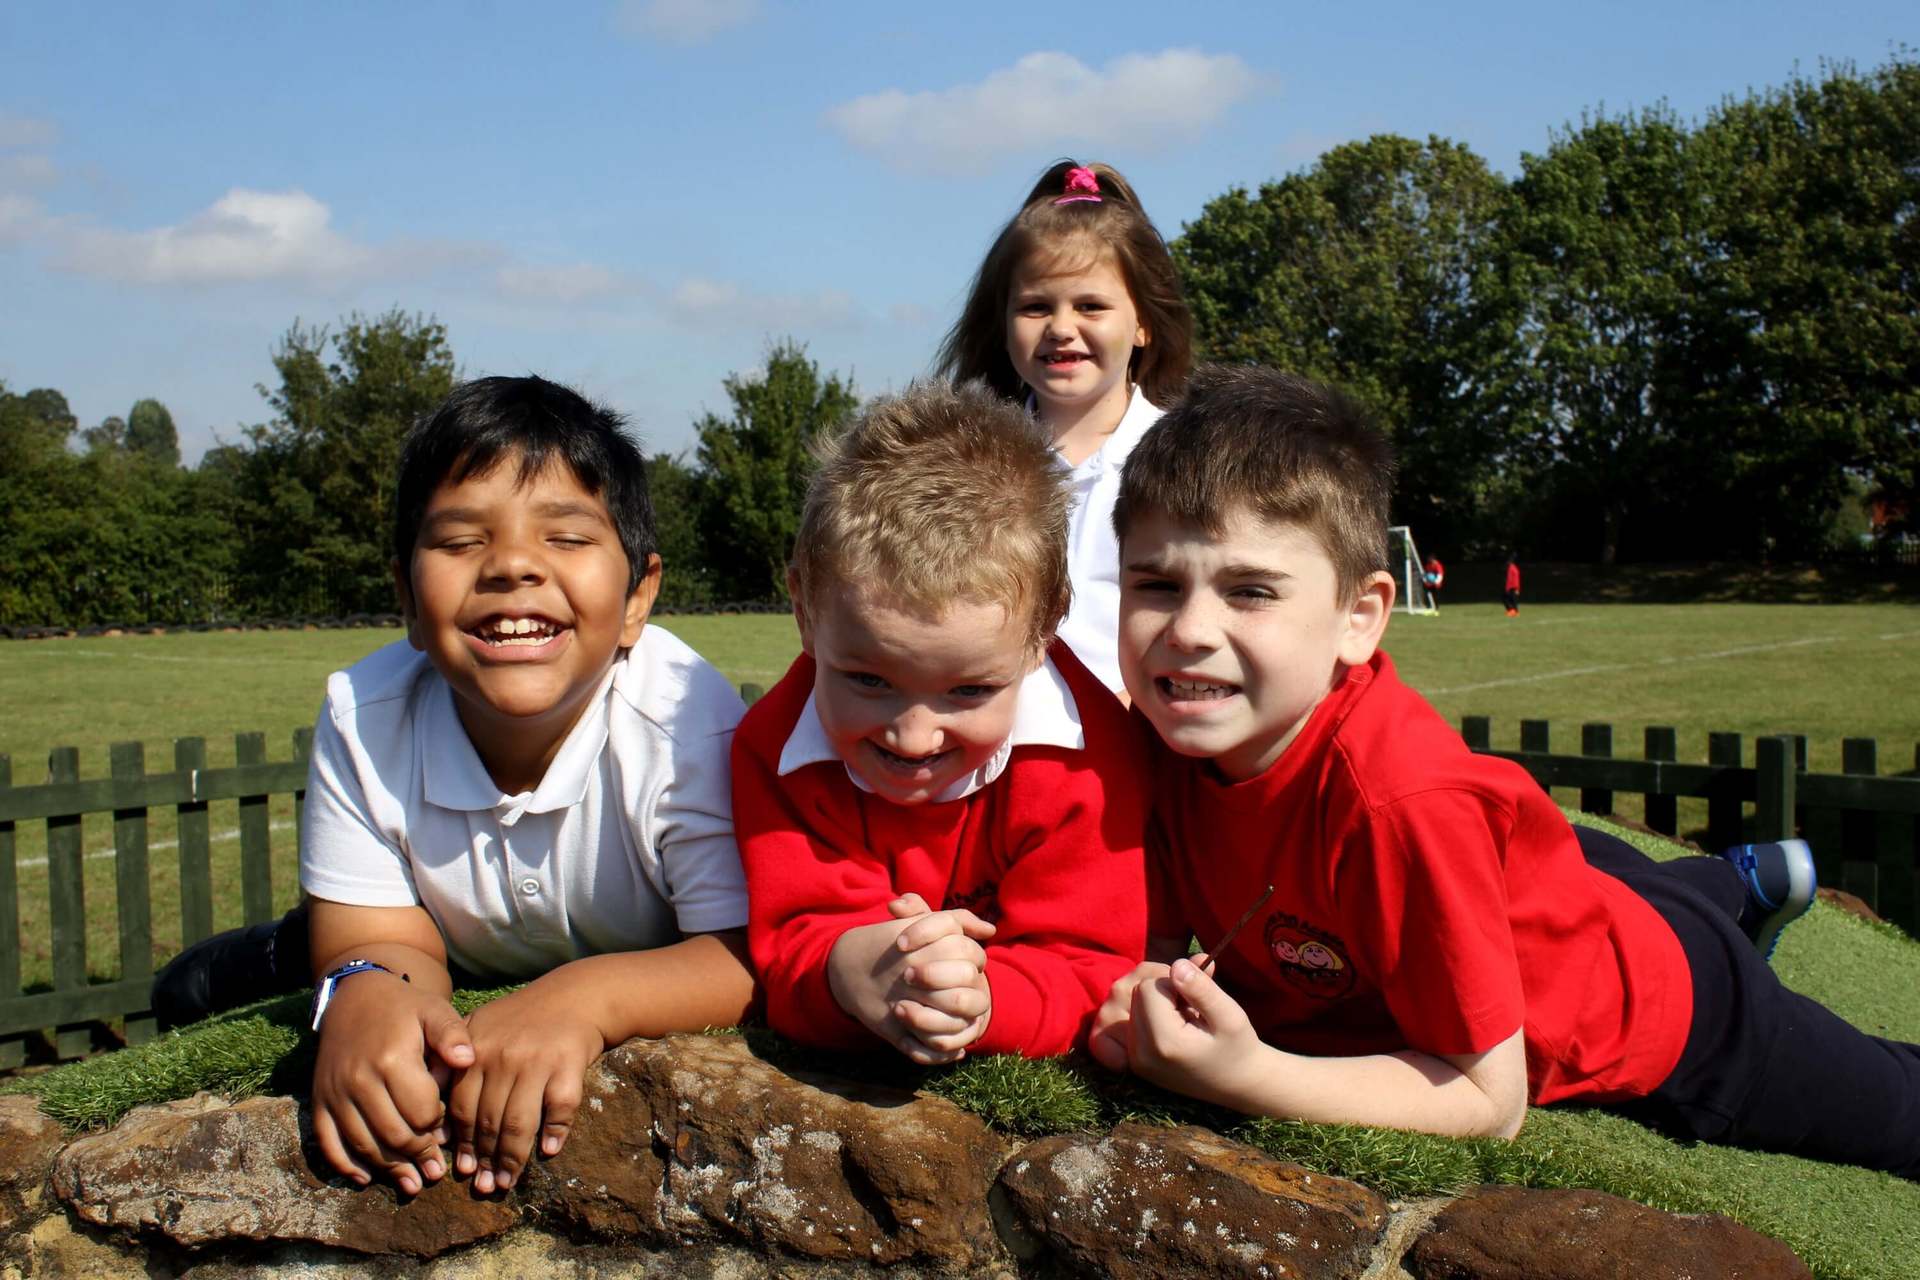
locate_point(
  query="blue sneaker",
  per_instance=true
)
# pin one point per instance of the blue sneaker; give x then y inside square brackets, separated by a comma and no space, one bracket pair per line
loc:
[1780,883]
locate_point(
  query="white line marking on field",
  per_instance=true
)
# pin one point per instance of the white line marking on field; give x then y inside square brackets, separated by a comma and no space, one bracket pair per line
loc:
[1717,654]
[94,855]
[1900,635]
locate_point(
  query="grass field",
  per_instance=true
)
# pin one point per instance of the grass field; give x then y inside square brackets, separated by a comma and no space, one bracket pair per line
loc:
[1828,671]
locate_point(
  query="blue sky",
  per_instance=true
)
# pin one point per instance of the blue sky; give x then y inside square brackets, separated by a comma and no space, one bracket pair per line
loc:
[636,197]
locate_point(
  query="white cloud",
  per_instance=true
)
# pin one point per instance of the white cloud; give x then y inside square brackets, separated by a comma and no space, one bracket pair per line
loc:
[20,218]
[27,170]
[248,236]
[721,304]
[683,21]
[1048,102]
[571,283]
[25,131]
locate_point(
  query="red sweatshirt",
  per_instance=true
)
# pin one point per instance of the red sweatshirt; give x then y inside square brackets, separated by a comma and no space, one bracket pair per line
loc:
[1050,852]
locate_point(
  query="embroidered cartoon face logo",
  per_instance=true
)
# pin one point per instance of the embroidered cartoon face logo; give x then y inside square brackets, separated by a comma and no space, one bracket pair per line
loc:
[1312,962]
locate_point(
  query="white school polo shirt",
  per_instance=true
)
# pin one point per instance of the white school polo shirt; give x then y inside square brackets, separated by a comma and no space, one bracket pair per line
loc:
[1044,715]
[1092,625]
[627,843]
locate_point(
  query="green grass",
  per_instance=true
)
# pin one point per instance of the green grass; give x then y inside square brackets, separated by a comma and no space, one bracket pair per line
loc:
[1845,1222]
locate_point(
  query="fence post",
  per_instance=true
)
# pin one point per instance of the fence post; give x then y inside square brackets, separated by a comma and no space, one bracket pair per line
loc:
[1478,732]
[303,752]
[67,905]
[1725,827]
[1773,787]
[1851,866]
[1596,740]
[131,886]
[1662,810]
[13,1049]
[256,853]
[196,855]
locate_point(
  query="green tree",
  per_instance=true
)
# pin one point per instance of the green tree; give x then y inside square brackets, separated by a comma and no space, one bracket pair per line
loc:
[1376,269]
[1605,227]
[33,426]
[151,433]
[109,437]
[756,465]
[314,494]
[675,488]
[1807,360]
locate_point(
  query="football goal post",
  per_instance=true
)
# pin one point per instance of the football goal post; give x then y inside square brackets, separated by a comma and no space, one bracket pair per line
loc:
[1409,573]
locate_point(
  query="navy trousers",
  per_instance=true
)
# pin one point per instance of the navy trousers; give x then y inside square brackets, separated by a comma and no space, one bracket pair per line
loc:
[1764,1067]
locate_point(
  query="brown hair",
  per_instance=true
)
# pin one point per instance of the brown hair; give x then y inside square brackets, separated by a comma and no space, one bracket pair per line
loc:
[976,346]
[939,494]
[1284,448]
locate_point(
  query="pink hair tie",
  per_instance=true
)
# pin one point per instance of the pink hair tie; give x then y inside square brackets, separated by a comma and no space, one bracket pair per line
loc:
[1081,185]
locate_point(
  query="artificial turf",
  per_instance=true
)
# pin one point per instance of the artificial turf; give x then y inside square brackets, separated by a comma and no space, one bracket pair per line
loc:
[1844,1222]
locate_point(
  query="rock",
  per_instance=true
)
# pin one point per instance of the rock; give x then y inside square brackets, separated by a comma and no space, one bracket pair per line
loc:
[28,1141]
[1148,1202]
[1852,904]
[694,1137]
[1513,1233]
[55,1248]
[201,1172]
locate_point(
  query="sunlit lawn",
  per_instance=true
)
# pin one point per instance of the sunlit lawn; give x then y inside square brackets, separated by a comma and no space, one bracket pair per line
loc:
[1827,671]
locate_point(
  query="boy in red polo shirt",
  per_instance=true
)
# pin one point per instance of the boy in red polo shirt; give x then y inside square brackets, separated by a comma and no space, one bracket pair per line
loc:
[1437,947]
[940,811]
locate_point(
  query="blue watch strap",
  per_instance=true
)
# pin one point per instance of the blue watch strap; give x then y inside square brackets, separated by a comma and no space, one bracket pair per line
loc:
[323,993]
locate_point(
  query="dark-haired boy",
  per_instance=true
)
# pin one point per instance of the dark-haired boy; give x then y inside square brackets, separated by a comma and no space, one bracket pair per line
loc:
[533,787]
[1439,947]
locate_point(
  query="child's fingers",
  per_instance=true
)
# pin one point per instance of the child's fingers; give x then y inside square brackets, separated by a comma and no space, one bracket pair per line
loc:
[925,1020]
[447,1036]
[519,1126]
[1197,989]
[489,1115]
[561,1104]
[943,924]
[967,1000]
[908,905]
[941,974]
[955,1042]
[363,1136]
[1110,1044]
[463,1103]
[326,1131]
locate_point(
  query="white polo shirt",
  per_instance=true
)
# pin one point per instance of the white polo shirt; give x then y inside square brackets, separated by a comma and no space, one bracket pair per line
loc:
[1044,714]
[1092,626]
[626,844]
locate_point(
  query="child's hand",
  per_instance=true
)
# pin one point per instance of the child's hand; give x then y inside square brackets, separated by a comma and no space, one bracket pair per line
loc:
[1111,1039]
[950,1003]
[1191,1036]
[384,1048]
[531,1052]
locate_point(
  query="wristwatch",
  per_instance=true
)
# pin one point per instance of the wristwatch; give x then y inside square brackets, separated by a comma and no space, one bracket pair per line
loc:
[323,994]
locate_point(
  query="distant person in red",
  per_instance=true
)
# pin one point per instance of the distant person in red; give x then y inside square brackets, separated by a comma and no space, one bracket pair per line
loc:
[1512,594]
[1434,574]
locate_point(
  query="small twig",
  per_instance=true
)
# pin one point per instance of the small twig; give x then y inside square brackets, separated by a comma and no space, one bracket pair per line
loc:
[1213,956]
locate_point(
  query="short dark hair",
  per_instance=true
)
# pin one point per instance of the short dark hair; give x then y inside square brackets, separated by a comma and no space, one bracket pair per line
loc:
[484,422]
[1284,448]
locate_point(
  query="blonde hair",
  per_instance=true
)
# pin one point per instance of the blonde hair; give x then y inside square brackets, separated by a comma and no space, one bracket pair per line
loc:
[1071,237]
[940,494]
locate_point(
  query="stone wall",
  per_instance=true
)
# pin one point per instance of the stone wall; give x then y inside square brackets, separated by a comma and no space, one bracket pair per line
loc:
[692,1157]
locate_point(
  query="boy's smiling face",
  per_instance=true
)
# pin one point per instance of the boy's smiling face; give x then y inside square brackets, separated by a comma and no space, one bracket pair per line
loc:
[912,703]
[1228,643]
[517,592]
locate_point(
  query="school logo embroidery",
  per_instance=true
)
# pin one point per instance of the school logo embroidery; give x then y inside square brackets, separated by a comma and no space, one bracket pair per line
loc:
[1312,962]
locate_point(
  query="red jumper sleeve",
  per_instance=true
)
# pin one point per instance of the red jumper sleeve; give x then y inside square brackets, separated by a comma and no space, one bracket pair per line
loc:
[809,876]
[1073,903]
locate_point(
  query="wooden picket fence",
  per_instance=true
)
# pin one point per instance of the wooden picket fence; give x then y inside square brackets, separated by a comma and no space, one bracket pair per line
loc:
[1865,832]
